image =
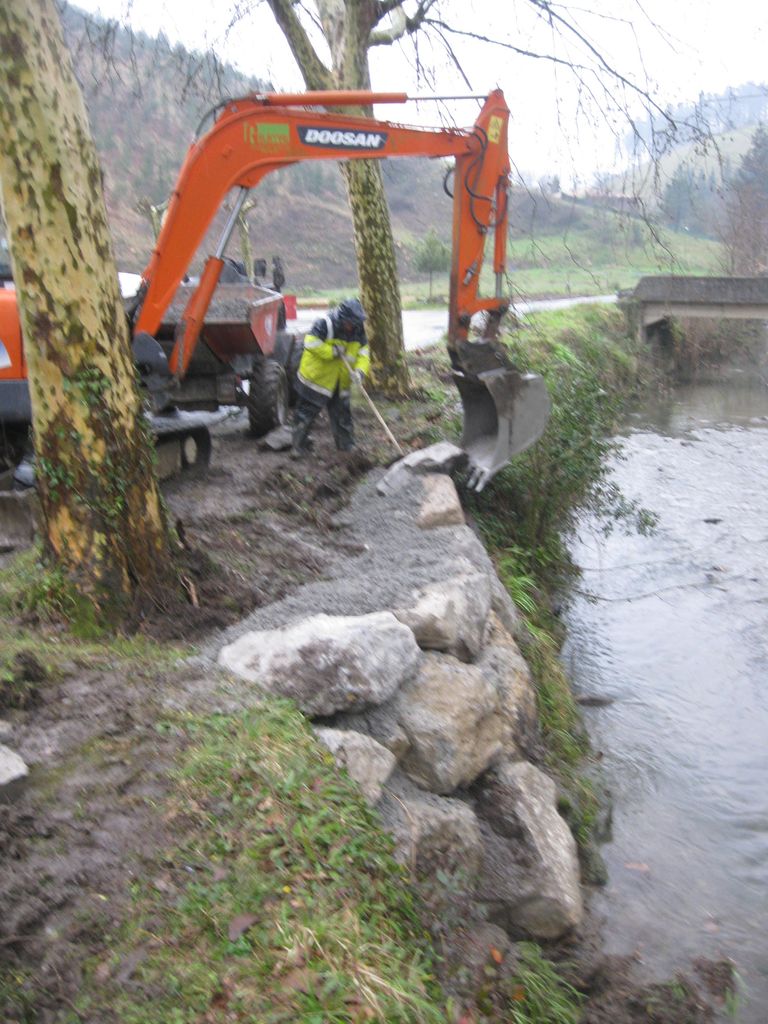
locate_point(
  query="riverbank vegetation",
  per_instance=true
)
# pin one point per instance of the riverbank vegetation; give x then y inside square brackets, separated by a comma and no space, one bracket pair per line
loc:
[696,350]
[593,368]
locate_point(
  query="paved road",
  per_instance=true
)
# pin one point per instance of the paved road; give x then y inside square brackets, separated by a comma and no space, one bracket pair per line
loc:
[422,327]
[426,327]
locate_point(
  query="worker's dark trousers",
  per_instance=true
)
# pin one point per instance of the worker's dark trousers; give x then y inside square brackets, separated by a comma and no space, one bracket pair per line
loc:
[339,413]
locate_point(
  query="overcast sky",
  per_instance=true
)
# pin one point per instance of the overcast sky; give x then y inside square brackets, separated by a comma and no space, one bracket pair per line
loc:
[674,49]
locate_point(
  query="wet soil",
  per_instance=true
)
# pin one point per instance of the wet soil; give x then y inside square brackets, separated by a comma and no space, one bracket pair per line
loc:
[253,527]
[98,735]
[616,991]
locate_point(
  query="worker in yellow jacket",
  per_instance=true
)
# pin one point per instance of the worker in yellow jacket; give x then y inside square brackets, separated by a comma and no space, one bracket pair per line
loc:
[335,344]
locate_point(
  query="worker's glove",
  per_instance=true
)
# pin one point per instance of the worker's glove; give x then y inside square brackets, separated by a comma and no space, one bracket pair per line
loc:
[358,377]
[339,351]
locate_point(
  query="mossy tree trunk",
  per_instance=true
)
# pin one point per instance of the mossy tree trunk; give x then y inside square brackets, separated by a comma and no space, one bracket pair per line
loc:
[347,26]
[377,271]
[103,520]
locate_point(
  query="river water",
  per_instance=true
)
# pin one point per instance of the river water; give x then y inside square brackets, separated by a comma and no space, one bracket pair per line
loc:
[668,642]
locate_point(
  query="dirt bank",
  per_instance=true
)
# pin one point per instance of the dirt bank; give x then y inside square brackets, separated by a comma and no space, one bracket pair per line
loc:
[264,537]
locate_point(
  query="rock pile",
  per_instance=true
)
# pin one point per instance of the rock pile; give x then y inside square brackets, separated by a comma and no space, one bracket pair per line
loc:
[424,698]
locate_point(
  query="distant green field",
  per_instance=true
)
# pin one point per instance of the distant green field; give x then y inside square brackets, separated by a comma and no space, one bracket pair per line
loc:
[598,253]
[598,256]
[581,263]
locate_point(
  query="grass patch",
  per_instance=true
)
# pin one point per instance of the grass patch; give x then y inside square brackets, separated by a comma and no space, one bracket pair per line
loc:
[30,619]
[538,995]
[32,588]
[601,253]
[30,659]
[281,900]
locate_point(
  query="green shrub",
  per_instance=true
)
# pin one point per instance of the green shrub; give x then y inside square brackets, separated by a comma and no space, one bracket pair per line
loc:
[592,369]
[538,994]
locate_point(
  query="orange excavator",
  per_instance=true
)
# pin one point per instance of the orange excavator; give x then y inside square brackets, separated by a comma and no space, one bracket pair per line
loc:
[211,344]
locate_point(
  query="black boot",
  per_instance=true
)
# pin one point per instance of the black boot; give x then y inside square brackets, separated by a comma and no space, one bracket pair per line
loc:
[304,416]
[340,415]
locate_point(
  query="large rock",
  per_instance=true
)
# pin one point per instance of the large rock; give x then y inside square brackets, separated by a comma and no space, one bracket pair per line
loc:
[432,833]
[451,615]
[530,878]
[367,762]
[503,664]
[463,547]
[451,715]
[382,724]
[440,505]
[328,663]
[442,457]
[278,440]
[13,773]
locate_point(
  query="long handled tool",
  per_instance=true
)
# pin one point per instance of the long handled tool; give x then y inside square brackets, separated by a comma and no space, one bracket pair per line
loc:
[374,410]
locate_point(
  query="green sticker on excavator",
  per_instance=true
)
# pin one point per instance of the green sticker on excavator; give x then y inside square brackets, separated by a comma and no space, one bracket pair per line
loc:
[267,136]
[494,129]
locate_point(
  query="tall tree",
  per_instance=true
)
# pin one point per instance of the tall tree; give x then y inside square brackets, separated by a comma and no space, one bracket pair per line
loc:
[104,524]
[432,256]
[745,234]
[350,29]
[677,201]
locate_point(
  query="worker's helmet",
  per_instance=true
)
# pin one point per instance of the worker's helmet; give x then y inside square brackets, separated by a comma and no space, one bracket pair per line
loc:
[351,311]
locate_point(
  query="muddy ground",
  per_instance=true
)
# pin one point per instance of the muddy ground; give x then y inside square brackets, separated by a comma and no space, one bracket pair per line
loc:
[254,527]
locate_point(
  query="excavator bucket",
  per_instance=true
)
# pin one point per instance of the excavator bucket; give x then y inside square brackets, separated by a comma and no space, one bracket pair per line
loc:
[505,411]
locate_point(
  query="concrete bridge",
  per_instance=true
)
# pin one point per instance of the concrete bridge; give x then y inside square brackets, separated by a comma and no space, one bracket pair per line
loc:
[656,299]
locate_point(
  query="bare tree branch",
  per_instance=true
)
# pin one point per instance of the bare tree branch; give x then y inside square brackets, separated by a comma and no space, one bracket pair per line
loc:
[398,28]
[402,25]
[522,51]
[312,17]
[591,81]
[547,10]
[316,74]
[454,59]
[383,7]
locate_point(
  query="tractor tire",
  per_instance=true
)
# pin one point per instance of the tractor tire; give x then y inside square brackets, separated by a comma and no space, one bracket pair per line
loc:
[268,398]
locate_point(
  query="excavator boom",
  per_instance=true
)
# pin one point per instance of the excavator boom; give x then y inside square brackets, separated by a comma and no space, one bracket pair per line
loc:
[254,136]
[505,411]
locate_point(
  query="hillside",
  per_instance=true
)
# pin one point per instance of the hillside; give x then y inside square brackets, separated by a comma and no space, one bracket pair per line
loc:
[560,246]
[705,168]
[145,100]
[302,213]
[710,136]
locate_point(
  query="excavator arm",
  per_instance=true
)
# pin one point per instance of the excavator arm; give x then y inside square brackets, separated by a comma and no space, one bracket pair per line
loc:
[256,135]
